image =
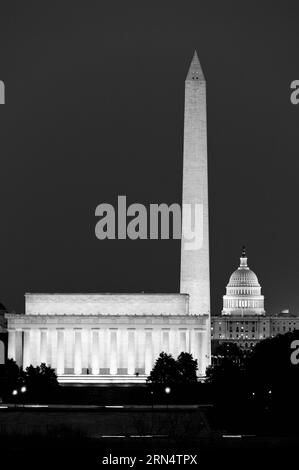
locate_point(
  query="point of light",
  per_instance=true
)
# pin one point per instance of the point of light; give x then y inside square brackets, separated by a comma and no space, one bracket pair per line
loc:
[114,406]
[36,406]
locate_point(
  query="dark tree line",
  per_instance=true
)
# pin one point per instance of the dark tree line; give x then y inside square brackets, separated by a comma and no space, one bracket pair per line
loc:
[257,387]
[170,371]
[32,384]
[174,380]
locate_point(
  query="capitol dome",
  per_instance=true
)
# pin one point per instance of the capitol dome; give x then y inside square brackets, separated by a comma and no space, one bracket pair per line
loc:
[243,276]
[243,292]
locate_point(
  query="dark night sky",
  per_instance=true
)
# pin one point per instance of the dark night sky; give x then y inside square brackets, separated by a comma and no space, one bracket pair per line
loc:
[94,109]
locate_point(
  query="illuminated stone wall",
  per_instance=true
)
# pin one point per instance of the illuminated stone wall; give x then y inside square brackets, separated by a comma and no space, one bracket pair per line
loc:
[106,304]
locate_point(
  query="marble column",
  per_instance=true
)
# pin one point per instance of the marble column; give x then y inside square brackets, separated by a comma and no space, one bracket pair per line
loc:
[173,343]
[148,351]
[203,347]
[140,350]
[60,351]
[11,353]
[131,351]
[26,349]
[195,346]
[188,336]
[165,340]
[113,351]
[86,343]
[69,351]
[103,350]
[182,341]
[122,351]
[50,348]
[43,345]
[78,352]
[34,347]
[19,347]
[95,352]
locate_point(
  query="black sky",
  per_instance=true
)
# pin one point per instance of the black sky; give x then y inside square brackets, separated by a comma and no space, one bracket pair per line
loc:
[94,109]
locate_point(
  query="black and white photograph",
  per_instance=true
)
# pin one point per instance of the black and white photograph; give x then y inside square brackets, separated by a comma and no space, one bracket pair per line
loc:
[149,294]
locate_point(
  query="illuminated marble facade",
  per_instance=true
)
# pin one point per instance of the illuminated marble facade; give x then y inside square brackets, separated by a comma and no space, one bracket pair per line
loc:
[84,339]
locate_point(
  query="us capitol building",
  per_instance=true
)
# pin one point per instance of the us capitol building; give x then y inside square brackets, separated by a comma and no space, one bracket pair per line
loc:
[243,319]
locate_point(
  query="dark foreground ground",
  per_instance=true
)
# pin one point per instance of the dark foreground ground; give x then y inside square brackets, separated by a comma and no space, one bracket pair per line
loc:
[74,437]
[130,427]
[76,452]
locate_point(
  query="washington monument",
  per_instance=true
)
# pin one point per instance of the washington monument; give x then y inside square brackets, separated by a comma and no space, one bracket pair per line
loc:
[195,265]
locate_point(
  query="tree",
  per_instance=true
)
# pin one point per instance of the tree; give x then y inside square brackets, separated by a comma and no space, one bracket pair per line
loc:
[228,349]
[11,378]
[270,367]
[226,374]
[187,367]
[267,371]
[165,370]
[40,381]
[264,386]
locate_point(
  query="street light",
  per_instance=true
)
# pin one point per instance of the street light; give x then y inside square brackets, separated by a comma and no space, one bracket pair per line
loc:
[21,390]
[167,391]
[14,394]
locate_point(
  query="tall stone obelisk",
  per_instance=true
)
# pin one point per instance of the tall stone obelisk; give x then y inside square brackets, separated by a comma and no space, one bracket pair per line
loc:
[195,265]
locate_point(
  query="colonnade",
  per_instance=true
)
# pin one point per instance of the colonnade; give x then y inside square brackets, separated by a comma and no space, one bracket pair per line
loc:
[102,351]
